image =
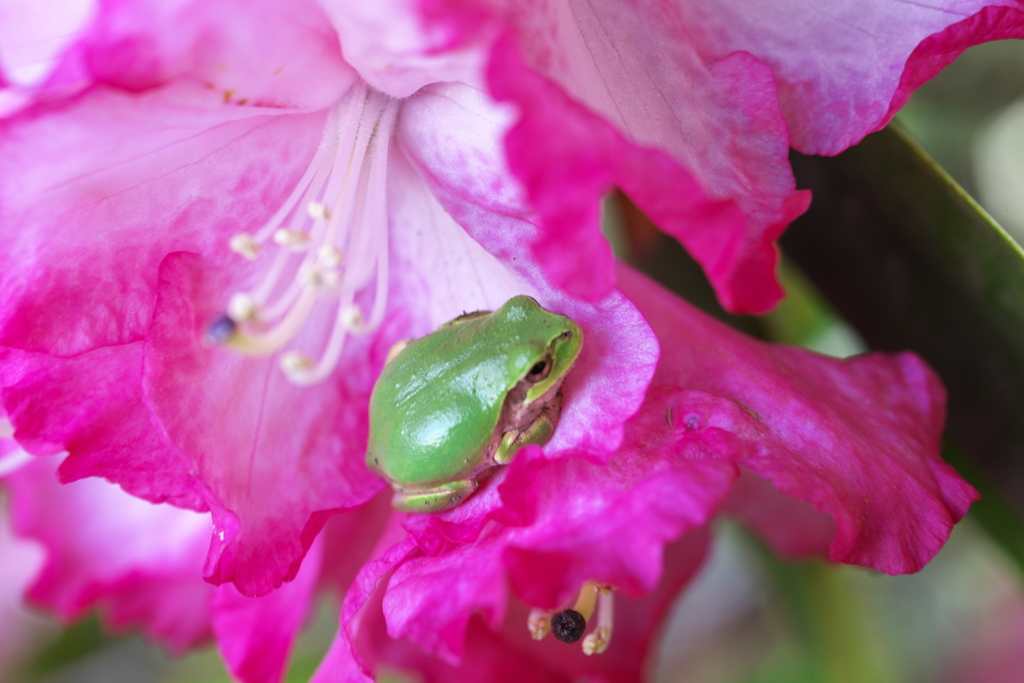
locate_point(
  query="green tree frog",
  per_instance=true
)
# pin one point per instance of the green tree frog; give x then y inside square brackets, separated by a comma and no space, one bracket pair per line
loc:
[451,406]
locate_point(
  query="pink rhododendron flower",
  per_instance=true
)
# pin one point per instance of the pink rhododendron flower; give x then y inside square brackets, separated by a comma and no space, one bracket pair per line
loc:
[140,565]
[378,170]
[850,448]
[670,101]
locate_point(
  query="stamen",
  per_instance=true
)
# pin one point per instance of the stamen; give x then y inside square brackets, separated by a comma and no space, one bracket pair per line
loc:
[330,256]
[587,599]
[294,363]
[334,247]
[318,211]
[241,307]
[244,244]
[539,623]
[351,318]
[296,240]
[597,642]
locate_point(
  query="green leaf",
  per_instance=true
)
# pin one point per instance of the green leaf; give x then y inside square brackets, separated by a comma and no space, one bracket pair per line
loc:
[913,262]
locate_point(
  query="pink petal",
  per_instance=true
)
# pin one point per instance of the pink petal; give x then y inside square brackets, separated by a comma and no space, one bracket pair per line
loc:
[138,562]
[868,57]
[139,45]
[568,158]
[255,635]
[857,439]
[502,651]
[34,36]
[561,523]
[278,458]
[618,518]
[611,94]
[95,194]
[637,624]
[91,406]
[176,184]
[395,50]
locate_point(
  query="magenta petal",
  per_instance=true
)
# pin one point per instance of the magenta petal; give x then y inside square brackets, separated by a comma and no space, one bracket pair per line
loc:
[278,458]
[255,635]
[636,627]
[138,562]
[563,522]
[34,37]
[609,523]
[568,157]
[96,193]
[858,439]
[395,51]
[938,50]
[91,406]
[501,651]
[870,55]
[139,45]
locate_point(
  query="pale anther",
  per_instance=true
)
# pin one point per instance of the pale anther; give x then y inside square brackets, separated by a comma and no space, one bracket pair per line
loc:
[243,243]
[597,642]
[330,281]
[296,240]
[241,307]
[351,318]
[294,363]
[318,278]
[318,211]
[539,623]
[330,255]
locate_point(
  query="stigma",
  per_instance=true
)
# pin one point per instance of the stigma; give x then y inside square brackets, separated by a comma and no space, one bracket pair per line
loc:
[325,248]
[569,625]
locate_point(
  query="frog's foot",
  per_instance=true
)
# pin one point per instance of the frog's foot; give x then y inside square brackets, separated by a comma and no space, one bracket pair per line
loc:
[536,433]
[444,497]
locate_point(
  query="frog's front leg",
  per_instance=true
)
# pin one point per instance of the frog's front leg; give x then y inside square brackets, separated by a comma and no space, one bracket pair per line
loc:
[536,433]
[443,497]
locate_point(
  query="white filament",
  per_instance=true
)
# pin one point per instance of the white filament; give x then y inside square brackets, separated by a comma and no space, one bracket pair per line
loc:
[330,241]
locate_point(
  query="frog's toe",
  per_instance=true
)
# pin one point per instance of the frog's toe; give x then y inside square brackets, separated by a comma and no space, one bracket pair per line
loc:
[444,497]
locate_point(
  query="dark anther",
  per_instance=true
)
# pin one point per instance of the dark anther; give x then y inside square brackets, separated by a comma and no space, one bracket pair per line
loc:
[568,626]
[220,330]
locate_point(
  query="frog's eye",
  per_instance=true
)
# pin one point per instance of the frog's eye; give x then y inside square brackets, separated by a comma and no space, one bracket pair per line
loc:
[539,371]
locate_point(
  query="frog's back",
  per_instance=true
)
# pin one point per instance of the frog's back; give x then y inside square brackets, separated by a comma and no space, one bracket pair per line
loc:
[436,406]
